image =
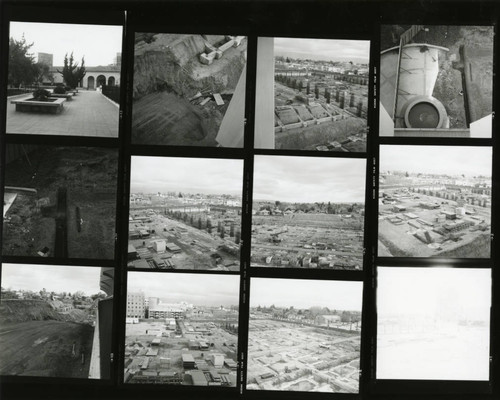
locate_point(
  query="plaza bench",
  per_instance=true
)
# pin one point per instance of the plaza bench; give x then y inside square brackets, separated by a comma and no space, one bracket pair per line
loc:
[54,106]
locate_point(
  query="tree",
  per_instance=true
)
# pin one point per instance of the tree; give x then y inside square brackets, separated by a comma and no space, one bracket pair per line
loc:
[316,91]
[22,67]
[231,230]
[43,72]
[327,96]
[308,88]
[72,73]
[345,317]
[237,237]
[299,86]
[222,232]
[78,295]
[199,223]
[351,101]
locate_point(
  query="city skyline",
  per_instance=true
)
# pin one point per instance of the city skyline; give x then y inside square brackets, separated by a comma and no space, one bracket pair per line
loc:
[304,293]
[98,44]
[309,179]
[450,160]
[196,289]
[190,175]
[357,51]
[54,278]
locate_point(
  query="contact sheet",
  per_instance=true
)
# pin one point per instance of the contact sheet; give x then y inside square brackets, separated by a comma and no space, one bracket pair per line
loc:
[253,200]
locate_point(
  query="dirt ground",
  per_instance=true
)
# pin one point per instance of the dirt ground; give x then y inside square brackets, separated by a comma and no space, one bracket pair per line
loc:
[45,348]
[196,245]
[165,118]
[167,77]
[343,238]
[291,353]
[398,239]
[308,138]
[89,175]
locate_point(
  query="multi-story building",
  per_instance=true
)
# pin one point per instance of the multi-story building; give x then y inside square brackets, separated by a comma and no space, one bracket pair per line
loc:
[136,307]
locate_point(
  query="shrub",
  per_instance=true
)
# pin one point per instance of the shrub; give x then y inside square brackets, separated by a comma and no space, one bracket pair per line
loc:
[59,90]
[41,94]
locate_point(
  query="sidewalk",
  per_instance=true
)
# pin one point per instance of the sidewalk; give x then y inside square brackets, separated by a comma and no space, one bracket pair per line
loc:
[89,113]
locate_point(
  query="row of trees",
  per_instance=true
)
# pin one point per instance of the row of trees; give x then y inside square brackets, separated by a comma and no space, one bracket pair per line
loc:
[43,294]
[25,71]
[206,225]
[309,313]
[318,207]
[339,97]
[296,84]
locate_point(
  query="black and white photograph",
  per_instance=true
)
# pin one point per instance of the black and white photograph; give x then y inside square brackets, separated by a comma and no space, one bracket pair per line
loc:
[185,213]
[60,201]
[312,94]
[304,335]
[308,212]
[436,81]
[56,321]
[189,89]
[64,79]
[433,323]
[435,201]
[182,329]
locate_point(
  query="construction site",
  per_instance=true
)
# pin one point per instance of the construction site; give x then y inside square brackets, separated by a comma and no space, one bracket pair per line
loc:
[308,240]
[438,220]
[333,119]
[60,201]
[185,237]
[196,348]
[189,90]
[55,333]
[436,80]
[298,356]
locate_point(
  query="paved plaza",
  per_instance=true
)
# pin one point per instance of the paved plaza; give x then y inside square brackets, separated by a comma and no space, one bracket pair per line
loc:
[89,113]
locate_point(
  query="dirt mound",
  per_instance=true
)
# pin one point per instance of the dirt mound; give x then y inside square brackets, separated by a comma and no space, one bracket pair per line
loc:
[27,310]
[36,310]
[171,63]
[75,316]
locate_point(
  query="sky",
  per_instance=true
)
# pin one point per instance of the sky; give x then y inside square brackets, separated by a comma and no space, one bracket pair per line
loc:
[449,290]
[309,179]
[357,51]
[56,278]
[197,289]
[305,293]
[97,43]
[451,160]
[191,175]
